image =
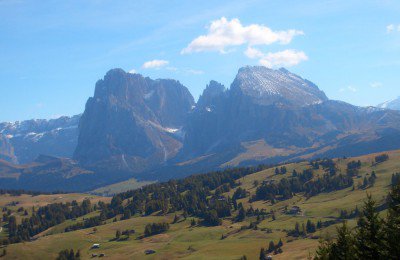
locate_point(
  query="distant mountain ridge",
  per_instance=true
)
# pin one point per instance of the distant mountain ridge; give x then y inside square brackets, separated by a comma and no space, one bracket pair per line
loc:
[30,138]
[391,104]
[134,126]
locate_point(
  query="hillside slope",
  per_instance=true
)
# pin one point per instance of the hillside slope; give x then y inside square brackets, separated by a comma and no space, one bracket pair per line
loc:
[185,241]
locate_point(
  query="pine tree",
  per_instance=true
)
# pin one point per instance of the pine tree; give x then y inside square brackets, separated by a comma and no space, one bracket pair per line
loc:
[117,234]
[392,225]
[365,182]
[369,237]
[262,254]
[324,251]
[343,248]
[280,243]
[241,215]
[297,229]
[175,219]
[271,246]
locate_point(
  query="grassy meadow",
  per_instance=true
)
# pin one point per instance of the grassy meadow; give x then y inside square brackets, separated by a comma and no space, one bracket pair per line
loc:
[183,241]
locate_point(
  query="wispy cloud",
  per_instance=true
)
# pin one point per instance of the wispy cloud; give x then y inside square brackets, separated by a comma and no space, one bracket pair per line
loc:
[348,88]
[286,58]
[153,64]
[132,71]
[195,72]
[376,85]
[224,33]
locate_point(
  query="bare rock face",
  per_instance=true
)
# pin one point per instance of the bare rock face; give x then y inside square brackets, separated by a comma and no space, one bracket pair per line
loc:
[6,150]
[132,123]
[268,86]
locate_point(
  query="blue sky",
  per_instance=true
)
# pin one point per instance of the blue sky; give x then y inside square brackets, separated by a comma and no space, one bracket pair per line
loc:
[53,52]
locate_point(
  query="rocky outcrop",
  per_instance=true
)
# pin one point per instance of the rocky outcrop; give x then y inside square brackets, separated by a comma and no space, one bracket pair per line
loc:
[132,123]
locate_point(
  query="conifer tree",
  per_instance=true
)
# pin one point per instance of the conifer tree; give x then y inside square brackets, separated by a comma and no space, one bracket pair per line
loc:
[343,248]
[392,225]
[369,237]
[271,246]
[262,254]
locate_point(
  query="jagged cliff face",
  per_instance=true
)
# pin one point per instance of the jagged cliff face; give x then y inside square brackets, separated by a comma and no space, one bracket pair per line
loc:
[28,139]
[132,122]
[270,115]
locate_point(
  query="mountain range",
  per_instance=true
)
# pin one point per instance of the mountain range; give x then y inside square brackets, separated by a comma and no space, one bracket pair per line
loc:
[149,129]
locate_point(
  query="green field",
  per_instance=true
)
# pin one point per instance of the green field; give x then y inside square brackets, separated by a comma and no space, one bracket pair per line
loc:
[199,242]
[112,189]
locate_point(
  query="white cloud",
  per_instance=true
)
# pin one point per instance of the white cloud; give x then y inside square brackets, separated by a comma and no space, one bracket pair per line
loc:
[154,64]
[253,53]
[132,71]
[390,28]
[352,89]
[286,58]
[376,85]
[348,88]
[223,33]
[196,72]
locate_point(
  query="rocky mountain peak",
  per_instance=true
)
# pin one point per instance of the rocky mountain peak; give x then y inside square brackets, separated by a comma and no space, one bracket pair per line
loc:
[134,118]
[213,91]
[268,86]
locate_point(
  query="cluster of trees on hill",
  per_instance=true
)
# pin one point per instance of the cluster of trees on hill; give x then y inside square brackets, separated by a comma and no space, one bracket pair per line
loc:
[69,255]
[272,249]
[192,195]
[87,223]
[344,214]
[395,178]
[353,168]
[155,228]
[301,182]
[281,170]
[372,238]
[33,193]
[328,165]
[381,158]
[44,218]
